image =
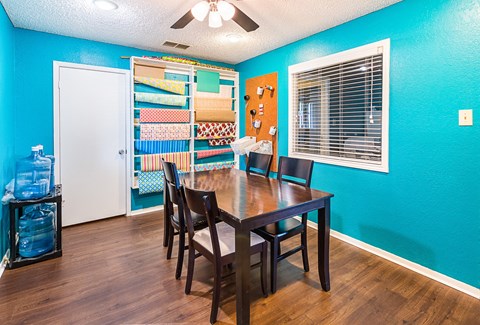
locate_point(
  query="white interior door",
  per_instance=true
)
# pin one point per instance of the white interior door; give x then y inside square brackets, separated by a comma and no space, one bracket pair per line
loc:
[92,161]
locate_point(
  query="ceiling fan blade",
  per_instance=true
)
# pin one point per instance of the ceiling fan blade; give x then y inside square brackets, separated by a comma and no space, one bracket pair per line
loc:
[182,22]
[243,20]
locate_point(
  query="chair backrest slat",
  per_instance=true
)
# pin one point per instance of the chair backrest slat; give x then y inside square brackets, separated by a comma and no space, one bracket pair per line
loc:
[295,170]
[260,163]
[205,203]
[173,190]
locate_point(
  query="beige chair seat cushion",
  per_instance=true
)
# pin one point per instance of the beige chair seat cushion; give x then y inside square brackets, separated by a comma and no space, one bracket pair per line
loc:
[226,238]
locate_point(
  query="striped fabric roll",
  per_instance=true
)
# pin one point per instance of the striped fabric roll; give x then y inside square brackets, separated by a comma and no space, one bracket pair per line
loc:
[154,162]
[154,146]
[210,153]
[164,131]
[155,115]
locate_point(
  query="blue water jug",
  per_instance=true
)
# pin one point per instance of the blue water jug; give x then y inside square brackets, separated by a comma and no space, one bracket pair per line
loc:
[32,177]
[52,173]
[36,232]
[52,168]
[52,207]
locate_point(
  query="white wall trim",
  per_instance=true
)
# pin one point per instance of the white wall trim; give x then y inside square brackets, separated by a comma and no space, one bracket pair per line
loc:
[146,210]
[434,275]
[3,264]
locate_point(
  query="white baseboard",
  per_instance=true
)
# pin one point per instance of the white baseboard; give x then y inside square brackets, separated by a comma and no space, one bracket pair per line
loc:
[434,275]
[3,262]
[146,210]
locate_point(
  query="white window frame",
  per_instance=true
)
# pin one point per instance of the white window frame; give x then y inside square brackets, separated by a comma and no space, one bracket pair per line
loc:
[379,47]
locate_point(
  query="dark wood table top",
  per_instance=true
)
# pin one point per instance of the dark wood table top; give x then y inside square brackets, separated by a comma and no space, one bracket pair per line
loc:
[251,201]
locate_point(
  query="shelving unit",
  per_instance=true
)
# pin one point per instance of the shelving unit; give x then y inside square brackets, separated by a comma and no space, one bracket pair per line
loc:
[16,211]
[187,74]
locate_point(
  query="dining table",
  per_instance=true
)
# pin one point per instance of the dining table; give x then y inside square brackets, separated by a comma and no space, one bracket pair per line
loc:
[247,201]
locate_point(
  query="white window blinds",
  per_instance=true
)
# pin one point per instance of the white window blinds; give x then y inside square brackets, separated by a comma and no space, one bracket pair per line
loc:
[339,108]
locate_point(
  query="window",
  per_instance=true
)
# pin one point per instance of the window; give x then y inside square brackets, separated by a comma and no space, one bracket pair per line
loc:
[338,111]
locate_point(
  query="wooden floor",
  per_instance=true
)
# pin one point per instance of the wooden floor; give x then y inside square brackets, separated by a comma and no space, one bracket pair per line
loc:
[115,272]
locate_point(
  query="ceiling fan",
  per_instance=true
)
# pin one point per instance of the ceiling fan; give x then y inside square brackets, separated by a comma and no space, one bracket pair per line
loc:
[216,11]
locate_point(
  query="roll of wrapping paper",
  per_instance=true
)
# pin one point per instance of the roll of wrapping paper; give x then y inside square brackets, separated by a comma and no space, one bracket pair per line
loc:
[209,130]
[214,166]
[225,92]
[155,115]
[210,103]
[163,99]
[154,162]
[214,152]
[173,86]
[220,142]
[165,131]
[150,182]
[214,116]
[155,146]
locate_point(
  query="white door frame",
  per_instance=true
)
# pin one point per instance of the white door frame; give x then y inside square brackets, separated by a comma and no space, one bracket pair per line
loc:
[56,120]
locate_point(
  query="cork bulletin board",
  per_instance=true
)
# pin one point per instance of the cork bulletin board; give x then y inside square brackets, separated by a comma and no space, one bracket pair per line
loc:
[270,105]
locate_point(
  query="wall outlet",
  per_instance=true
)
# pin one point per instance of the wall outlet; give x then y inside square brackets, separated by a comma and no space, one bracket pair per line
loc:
[465,117]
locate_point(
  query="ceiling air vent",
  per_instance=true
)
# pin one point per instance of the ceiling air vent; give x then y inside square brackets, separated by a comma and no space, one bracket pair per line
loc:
[182,46]
[170,44]
[176,45]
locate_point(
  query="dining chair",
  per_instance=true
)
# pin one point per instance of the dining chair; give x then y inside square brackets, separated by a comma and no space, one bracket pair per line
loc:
[259,163]
[296,171]
[176,215]
[216,243]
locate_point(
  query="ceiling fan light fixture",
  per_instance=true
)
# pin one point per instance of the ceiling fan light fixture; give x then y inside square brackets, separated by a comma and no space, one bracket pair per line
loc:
[214,19]
[234,38]
[105,4]
[226,9]
[200,10]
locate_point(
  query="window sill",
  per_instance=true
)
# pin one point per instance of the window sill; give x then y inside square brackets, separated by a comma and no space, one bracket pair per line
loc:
[377,166]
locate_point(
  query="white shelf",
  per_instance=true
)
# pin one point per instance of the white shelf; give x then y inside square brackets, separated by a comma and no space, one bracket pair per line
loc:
[189,71]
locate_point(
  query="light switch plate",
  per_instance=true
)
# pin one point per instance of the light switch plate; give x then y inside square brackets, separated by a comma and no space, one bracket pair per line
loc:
[465,117]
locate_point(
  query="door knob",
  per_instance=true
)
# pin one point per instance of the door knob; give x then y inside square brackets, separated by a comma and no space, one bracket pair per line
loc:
[121,152]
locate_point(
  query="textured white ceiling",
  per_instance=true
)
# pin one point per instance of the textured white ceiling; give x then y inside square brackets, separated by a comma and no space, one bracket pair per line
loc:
[146,24]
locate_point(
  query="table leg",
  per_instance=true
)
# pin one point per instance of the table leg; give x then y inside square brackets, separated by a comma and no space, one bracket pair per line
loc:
[242,259]
[324,245]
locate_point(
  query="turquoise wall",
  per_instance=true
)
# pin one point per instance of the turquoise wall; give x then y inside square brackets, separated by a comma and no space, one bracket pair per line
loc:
[7,121]
[35,53]
[427,208]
